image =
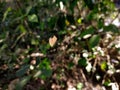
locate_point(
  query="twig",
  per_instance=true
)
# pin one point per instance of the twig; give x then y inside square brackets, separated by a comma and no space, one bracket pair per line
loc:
[18,38]
[86,82]
[18,3]
[83,75]
[115,17]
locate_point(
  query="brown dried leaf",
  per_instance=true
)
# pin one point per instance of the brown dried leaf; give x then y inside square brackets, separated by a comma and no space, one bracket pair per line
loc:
[12,84]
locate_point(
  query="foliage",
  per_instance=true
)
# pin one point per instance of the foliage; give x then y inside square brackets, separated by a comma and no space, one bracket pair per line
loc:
[46,39]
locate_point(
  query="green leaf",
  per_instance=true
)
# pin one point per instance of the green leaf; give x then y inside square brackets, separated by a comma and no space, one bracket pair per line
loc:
[22,83]
[6,13]
[28,9]
[45,73]
[79,86]
[42,25]
[100,23]
[52,22]
[45,64]
[103,66]
[94,40]
[34,42]
[26,60]
[70,65]
[22,28]
[73,3]
[79,20]
[22,70]
[61,21]
[107,82]
[111,28]
[44,70]
[89,31]
[3,47]
[44,48]
[82,62]
[33,18]
[89,4]
[62,32]
[92,16]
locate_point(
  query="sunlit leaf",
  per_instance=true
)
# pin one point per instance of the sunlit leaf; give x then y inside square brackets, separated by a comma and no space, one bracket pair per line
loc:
[79,86]
[79,20]
[103,66]
[33,18]
[28,9]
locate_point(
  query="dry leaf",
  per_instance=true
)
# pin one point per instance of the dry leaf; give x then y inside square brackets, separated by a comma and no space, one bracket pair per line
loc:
[12,84]
[37,54]
[52,41]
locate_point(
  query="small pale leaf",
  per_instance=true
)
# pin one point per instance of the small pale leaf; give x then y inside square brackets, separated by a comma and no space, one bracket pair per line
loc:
[52,41]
